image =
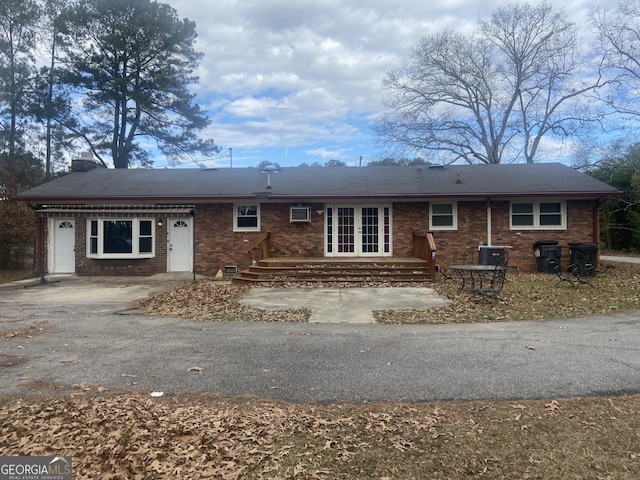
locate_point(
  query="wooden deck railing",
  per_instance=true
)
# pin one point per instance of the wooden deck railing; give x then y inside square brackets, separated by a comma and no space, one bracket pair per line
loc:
[424,247]
[260,248]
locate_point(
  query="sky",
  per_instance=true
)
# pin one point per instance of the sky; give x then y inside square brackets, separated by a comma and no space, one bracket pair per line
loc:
[299,81]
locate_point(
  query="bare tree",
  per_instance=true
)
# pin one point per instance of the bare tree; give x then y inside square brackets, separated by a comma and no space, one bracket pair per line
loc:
[619,47]
[492,96]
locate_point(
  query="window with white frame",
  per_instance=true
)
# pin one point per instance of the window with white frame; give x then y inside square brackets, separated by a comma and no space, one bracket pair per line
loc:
[246,218]
[120,238]
[443,216]
[538,215]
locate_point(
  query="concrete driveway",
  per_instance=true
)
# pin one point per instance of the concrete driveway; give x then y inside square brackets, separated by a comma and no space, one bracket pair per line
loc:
[78,333]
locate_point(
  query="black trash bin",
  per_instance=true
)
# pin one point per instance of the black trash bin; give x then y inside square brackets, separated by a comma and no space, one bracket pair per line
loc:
[583,258]
[548,255]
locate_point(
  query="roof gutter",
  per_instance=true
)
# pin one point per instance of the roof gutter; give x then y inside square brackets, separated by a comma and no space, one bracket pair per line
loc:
[489,233]
[275,196]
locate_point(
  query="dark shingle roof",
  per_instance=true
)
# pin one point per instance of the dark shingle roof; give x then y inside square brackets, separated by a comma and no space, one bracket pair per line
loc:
[321,182]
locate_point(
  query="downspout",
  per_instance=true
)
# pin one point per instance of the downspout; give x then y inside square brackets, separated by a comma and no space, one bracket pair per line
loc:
[489,243]
[596,223]
[193,246]
[596,229]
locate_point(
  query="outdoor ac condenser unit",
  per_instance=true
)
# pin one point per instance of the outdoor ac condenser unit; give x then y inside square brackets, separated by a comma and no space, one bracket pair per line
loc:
[300,214]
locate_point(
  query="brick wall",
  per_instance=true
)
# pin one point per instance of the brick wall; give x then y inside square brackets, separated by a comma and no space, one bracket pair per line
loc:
[218,245]
[408,217]
[472,230]
[297,239]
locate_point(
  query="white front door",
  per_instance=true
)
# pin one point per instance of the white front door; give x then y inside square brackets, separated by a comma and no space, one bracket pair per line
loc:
[62,245]
[180,245]
[358,230]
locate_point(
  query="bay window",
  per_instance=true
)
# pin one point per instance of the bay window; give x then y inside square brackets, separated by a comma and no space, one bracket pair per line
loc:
[120,238]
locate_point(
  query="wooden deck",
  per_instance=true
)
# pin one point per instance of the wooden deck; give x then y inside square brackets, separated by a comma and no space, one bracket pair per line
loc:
[336,269]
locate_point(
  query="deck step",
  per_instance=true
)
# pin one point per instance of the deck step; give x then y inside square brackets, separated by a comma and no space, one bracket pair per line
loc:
[323,270]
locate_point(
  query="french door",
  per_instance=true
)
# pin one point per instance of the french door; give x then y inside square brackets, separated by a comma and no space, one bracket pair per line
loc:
[357,230]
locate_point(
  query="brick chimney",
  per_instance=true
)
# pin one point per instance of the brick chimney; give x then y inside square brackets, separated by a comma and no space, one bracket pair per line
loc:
[85,163]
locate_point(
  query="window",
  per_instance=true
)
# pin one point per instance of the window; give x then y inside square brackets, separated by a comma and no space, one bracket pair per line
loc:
[246,218]
[443,216]
[551,214]
[145,238]
[522,215]
[120,238]
[538,215]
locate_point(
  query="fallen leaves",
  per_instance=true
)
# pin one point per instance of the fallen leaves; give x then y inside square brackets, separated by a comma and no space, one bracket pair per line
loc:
[203,436]
[216,302]
[552,406]
[529,296]
[532,296]
[26,332]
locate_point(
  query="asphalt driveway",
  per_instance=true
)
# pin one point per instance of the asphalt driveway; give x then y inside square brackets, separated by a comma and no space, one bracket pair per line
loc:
[80,334]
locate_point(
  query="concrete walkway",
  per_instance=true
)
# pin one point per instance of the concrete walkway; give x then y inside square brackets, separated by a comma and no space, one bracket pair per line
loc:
[327,305]
[611,258]
[343,305]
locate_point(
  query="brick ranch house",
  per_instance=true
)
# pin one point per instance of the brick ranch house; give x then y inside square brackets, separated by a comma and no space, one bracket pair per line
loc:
[98,221]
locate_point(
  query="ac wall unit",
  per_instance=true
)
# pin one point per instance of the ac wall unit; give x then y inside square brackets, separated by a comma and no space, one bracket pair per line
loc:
[300,214]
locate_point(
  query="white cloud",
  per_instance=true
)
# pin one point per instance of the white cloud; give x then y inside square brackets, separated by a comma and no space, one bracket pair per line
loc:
[325,154]
[249,107]
[283,73]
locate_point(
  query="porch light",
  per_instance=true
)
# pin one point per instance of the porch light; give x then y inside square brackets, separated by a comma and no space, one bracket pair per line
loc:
[159,222]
